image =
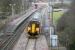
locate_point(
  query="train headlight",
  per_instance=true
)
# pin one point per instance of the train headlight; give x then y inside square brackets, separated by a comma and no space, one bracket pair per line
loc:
[29,28]
[37,29]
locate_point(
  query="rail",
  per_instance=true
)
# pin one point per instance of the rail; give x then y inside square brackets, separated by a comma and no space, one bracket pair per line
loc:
[23,18]
[8,43]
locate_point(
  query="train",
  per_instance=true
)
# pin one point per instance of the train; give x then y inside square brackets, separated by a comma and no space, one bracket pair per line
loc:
[34,26]
[33,29]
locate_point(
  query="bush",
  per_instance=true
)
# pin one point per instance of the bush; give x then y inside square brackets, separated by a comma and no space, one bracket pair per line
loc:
[66,27]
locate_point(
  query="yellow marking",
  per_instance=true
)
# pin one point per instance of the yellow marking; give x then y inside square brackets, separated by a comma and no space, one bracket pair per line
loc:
[33,28]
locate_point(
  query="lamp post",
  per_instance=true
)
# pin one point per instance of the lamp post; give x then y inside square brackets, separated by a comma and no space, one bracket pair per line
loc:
[12,7]
[51,29]
[23,1]
[50,11]
[52,14]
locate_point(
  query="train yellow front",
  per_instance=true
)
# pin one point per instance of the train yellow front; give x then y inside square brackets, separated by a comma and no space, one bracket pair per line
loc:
[33,29]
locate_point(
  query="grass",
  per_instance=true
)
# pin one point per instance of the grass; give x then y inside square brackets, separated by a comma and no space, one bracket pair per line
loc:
[56,16]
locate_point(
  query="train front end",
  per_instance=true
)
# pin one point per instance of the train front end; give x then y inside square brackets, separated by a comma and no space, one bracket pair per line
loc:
[33,29]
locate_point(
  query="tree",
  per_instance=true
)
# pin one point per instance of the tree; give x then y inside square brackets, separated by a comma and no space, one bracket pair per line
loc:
[66,27]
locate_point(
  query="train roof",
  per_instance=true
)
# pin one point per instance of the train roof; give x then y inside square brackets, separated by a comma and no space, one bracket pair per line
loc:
[37,16]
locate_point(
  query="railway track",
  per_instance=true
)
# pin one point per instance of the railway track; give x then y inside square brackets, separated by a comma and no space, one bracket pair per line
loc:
[3,41]
[9,42]
[37,44]
[31,44]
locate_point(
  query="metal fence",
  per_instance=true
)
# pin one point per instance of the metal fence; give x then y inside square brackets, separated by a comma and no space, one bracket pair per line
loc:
[57,44]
